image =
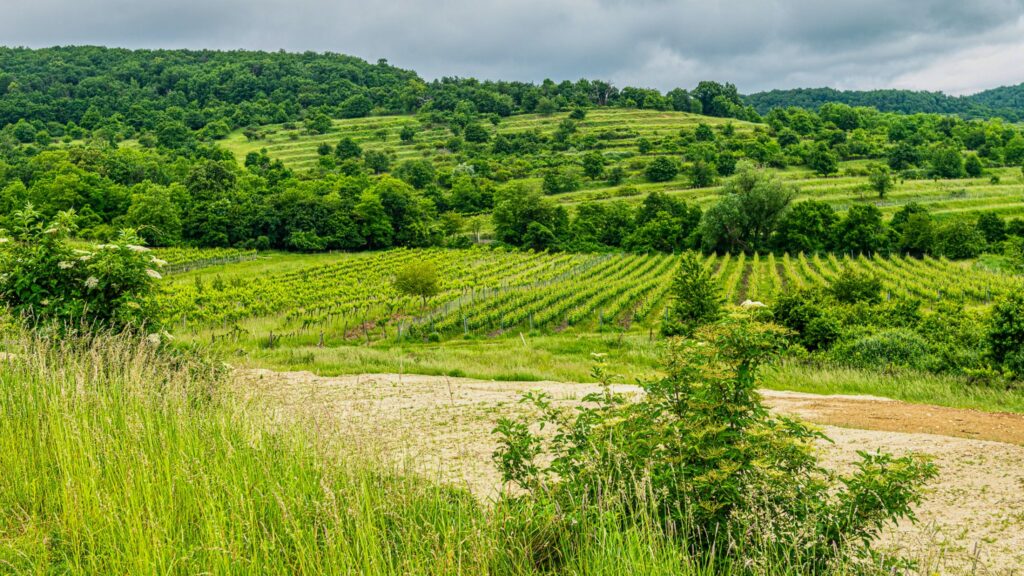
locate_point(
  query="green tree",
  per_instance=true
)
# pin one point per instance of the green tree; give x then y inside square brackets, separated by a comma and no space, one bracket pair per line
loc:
[51,285]
[745,218]
[1006,333]
[958,240]
[973,166]
[880,179]
[377,160]
[861,231]
[917,235]
[946,162]
[661,169]
[696,298]
[347,148]
[823,160]
[807,227]
[357,106]
[407,134]
[319,123]
[593,165]
[154,215]
[418,279]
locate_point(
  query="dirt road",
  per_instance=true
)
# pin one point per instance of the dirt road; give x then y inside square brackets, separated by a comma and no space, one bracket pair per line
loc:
[972,521]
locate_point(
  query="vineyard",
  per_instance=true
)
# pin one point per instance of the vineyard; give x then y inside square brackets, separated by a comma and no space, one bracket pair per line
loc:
[1001,190]
[487,292]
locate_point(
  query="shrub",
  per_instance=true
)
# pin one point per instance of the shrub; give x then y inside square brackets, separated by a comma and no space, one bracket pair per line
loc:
[807,315]
[418,279]
[852,286]
[696,298]
[893,346]
[661,169]
[1006,333]
[49,284]
[725,476]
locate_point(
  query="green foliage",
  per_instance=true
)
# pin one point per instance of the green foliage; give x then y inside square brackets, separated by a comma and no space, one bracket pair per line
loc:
[51,285]
[747,215]
[696,298]
[823,160]
[1006,333]
[661,169]
[727,477]
[958,239]
[809,316]
[889,347]
[880,179]
[418,279]
[852,286]
[347,148]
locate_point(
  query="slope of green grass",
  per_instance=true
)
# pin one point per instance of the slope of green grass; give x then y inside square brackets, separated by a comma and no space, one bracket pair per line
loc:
[619,131]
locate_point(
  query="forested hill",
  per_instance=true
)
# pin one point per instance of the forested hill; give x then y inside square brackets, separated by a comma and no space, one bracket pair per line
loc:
[129,91]
[1007,102]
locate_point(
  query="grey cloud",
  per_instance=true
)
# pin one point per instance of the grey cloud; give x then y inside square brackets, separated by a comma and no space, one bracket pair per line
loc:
[757,44]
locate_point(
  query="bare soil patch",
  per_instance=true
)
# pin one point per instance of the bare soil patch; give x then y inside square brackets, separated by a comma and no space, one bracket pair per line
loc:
[972,521]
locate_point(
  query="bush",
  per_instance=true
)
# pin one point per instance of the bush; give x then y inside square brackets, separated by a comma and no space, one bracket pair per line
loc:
[1006,333]
[49,284]
[805,312]
[661,169]
[696,298]
[852,286]
[894,346]
[724,475]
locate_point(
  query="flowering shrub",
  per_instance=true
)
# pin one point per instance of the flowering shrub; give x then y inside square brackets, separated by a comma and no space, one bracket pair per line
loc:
[48,283]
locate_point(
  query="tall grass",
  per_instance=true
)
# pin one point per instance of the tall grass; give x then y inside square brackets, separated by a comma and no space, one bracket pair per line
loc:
[116,459]
[119,459]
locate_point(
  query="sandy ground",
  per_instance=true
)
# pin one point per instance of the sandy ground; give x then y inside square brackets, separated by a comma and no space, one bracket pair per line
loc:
[972,521]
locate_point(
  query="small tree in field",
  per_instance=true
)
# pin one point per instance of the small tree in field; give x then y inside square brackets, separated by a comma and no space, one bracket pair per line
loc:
[696,298]
[880,178]
[418,279]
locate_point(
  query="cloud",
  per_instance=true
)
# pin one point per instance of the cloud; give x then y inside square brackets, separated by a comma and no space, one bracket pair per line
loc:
[757,44]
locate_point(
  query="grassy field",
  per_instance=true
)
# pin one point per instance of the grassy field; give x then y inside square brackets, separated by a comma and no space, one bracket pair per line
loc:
[619,131]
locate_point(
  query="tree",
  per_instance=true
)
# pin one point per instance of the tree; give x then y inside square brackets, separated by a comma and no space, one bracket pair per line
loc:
[418,173]
[661,169]
[155,215]
[702,174]
[515,207]
[319,123]
[957,240]
[696,298]
[377,161]
[880,178]
[1006,333]
[357,106]
[347,148]
[475,133]
[407,134]
[973,166]
[823,160]
[593,165]
[946,162]
[917,235]
[52,285]
[861,231]
[992,227]
[744,219]
[418,279]
[807,227]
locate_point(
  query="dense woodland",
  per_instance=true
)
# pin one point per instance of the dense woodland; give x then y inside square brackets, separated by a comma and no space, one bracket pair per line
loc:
[130,139]
[1006,102]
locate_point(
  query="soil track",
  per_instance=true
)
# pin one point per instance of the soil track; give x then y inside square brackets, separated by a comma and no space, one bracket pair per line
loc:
[972,521]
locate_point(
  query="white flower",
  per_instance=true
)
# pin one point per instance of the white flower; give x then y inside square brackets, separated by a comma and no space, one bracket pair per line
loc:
[4,240]
[85,258]
[92,282]
[158,261]
[153,339]
[134,248]
[153,273]
[65,264]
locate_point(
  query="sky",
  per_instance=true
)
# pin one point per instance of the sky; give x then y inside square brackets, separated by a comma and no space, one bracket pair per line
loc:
[954,46]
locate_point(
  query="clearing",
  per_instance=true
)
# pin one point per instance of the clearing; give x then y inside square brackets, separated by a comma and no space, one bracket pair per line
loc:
[972,520]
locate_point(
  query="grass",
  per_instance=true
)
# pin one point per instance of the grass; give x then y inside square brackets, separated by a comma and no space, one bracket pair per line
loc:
[119,459]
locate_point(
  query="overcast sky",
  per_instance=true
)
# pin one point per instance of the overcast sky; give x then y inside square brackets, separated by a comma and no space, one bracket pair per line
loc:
[957,46]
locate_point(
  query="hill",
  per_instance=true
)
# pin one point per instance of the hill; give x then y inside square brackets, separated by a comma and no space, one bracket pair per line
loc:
[1006,102]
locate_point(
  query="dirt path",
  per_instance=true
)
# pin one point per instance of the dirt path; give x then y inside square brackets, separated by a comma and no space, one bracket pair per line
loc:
[971,522]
